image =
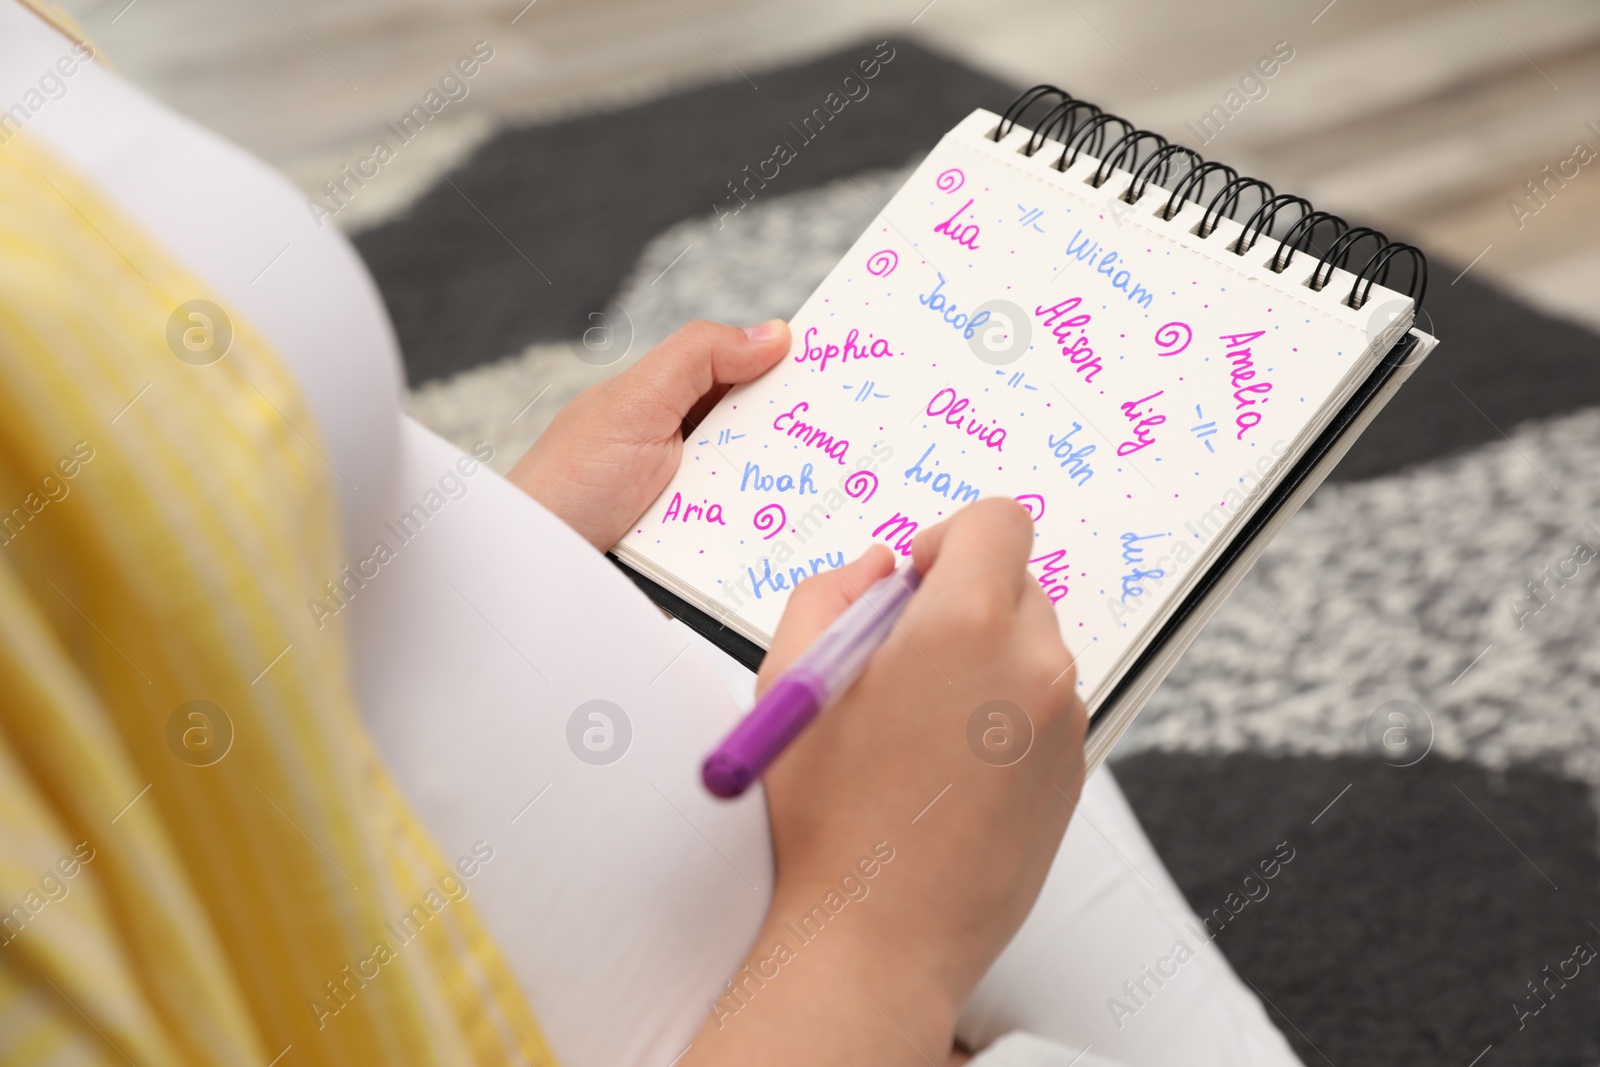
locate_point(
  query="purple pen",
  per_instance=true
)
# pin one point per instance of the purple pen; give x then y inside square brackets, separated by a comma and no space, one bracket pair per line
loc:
[817,678]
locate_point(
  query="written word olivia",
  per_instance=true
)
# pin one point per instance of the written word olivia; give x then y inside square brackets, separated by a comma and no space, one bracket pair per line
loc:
[823,354]
[1062,327]
[790,425]
[956,411]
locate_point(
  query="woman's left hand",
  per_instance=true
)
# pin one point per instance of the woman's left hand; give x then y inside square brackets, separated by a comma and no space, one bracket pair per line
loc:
[611,451]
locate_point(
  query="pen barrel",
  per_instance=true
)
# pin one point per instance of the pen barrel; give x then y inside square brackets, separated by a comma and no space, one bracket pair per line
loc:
[836,659]
[779,716]
[822,673]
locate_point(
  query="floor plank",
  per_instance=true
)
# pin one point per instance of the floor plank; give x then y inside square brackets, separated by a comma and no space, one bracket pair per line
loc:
[1422,117]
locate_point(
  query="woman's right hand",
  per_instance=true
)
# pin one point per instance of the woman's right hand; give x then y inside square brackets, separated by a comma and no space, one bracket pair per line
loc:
[890,767]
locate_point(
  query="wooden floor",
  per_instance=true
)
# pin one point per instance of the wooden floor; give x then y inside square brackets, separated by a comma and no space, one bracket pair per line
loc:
[1425,117]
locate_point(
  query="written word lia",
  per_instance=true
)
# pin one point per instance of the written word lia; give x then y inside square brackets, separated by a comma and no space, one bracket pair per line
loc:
[962,232]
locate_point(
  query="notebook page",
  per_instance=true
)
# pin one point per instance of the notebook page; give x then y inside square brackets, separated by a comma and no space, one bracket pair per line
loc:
[1005,329]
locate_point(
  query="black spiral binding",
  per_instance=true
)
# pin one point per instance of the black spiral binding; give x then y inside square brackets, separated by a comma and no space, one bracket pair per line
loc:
[1080,126]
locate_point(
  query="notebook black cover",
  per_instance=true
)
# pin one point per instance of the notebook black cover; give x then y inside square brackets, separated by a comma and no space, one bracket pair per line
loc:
[1253,527]
[730,641]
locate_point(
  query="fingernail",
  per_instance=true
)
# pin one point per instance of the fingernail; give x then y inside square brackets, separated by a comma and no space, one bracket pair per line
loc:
[766,331]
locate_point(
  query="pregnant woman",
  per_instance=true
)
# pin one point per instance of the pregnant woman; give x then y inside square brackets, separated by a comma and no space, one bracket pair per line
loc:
[296,700]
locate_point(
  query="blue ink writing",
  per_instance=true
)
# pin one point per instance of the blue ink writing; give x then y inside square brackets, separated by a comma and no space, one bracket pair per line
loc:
[935,301]
[1109,264]
[940,482]
[1073,456]
[1133,555]
[781,483]
[777,583]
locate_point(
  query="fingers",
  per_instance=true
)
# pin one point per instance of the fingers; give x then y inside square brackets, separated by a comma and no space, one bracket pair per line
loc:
[983,546]
[816,602]
[1038,616]
[699,362]
[1037,613]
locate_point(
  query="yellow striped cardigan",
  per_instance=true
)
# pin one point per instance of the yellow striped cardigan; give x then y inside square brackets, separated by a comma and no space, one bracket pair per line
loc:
[183,882]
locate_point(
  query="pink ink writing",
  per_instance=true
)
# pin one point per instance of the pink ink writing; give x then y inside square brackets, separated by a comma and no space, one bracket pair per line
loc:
[964,235]
[1061,327]
[1246,392]
[681,512]
[898,531]
[1173,338]
[1145,421]
[822,354]
[1053,573]
[790,425]
[956,411]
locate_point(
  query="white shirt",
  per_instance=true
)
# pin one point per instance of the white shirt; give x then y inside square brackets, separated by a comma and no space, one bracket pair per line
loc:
[238,226]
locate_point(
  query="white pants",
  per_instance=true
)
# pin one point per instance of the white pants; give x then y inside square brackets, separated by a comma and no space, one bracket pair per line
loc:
[623,894]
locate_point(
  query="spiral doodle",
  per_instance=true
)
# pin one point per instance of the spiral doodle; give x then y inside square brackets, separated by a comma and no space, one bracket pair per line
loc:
[883,263]
[1175,337]
[772,517]
[950,180]
[861,485]
[1034,503]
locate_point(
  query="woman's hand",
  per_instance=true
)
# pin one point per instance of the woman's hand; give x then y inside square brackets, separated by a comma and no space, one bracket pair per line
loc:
[611,451]
[891,763]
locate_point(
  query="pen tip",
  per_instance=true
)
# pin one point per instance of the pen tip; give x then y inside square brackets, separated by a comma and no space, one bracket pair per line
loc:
[724,776]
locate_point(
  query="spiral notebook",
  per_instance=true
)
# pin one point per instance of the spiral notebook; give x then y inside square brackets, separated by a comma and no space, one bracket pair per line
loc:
[1069,313]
